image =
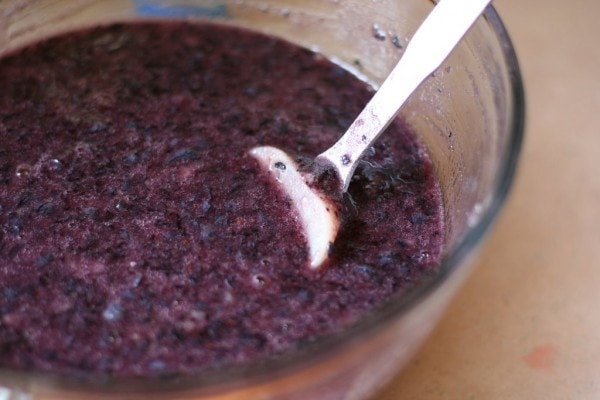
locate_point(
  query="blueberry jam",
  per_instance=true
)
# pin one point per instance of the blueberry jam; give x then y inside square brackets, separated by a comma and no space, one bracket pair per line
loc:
[138,237]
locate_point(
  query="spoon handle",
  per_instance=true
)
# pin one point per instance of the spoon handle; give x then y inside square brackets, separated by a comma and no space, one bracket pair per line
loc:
[431,44]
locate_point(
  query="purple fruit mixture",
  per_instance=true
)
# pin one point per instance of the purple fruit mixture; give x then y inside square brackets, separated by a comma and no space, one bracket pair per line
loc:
[138,237]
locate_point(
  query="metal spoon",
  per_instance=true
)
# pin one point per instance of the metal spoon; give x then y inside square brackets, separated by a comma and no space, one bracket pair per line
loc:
[437,36]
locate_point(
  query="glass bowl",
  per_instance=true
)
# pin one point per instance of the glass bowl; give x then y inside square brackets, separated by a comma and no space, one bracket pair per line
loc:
[469,114]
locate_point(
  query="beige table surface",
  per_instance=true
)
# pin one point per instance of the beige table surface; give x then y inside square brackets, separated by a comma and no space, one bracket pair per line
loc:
[526,325]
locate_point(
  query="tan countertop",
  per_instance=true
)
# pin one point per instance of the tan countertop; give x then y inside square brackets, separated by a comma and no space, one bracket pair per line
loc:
[526,325]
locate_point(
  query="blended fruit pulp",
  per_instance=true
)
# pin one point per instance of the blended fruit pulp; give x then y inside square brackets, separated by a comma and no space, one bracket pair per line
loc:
[138,237]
